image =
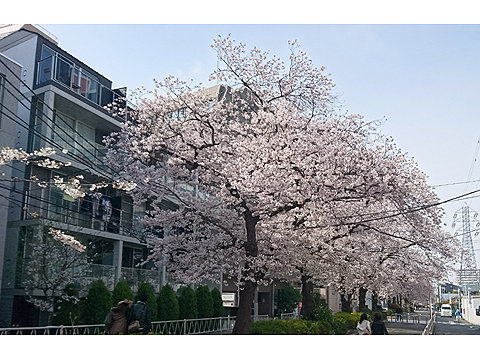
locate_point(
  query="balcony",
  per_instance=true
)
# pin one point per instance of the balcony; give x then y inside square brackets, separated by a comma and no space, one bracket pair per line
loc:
[61,70]
[135,277]
[66,210]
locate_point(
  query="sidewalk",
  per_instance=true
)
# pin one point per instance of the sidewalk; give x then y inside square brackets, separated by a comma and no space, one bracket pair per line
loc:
[398,328]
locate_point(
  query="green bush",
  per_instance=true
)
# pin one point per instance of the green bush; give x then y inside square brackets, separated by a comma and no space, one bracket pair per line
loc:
[167,304]
[187,302]
[288,299]
[97,303]
[350,320]
[204,302]
[322,312]
[68,312]
[340,326]
[218,310]
[145,291]
[121,292]
[289,327]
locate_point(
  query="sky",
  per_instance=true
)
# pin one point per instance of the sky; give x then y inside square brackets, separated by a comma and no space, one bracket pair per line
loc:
[421,81]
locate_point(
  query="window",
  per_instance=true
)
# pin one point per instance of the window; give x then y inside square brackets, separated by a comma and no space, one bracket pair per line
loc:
[75,136]
[45,66]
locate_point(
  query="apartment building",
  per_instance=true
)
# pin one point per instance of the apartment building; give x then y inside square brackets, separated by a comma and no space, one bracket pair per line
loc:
[62,103]
[10,73]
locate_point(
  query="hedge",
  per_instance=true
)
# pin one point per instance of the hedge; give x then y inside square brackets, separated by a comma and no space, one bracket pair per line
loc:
[218,310]
[121,292]
[187,302]
[145,291]
[97,303]
[167,303]
[290,327]
[349,319]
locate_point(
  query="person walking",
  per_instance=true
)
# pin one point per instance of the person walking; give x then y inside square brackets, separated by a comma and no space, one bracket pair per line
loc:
[378,326]
[363,326]
[398,312]
[458,315]
[140,321]
[116,320]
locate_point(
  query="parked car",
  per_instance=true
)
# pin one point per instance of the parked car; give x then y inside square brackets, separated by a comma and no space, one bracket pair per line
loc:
[446,310]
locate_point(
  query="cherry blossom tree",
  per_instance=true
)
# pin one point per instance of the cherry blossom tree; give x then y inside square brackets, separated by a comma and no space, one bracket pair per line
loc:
[264,178]
[55,260]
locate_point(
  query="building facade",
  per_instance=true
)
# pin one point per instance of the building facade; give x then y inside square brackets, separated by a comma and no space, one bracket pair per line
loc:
[62,103]
[10,73]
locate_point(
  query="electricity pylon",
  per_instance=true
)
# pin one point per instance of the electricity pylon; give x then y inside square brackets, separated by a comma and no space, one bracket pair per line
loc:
[468,274]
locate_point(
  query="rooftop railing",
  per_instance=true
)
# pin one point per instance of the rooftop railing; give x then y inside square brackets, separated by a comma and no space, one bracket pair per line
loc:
[78,80]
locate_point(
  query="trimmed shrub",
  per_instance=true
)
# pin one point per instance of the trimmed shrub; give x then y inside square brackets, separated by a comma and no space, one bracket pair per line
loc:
[349,319]
[187,302]
[121,292]
[288,299]
[97,303]
[68,312]
[289,327]
[204,302]
[218,310]
[167,304]
[145,292]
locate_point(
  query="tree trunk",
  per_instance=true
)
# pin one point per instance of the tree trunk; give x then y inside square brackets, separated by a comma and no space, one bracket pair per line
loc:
[362,292]
[307,298]
[375,306]
[346,302]
[242,322]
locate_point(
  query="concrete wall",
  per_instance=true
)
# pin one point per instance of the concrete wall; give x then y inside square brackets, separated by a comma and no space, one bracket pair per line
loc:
[469,305]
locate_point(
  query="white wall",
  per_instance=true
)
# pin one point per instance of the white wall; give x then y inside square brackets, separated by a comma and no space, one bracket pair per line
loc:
[469,304]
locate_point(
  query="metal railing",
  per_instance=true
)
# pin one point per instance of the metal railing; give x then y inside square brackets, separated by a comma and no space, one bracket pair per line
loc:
[219,325]
[78,80]
[194,326]
[98,329]
[289,316]
[408,318]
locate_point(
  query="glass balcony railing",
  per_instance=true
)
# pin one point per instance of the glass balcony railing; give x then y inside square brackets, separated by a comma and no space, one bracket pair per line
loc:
[106,273]
[61,70]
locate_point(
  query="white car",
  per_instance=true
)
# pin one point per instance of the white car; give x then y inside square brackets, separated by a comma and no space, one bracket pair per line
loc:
[446,310]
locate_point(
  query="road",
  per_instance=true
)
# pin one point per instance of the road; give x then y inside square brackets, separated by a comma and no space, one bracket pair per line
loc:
[448,326]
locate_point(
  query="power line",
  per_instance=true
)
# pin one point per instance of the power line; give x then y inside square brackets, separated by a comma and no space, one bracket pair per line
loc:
[52,121]
[456,183]
[54,131]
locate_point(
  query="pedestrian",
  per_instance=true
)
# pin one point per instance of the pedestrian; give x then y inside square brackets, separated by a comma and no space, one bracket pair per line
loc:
[458,315]
[363,326]
[140,321]
[378,326]
[399,312]
[116,320]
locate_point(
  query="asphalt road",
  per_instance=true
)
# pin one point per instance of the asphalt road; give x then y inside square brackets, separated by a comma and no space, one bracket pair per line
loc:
[448,326]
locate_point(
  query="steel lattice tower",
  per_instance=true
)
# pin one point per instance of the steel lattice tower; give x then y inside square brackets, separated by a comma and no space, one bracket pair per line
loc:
[468,274]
